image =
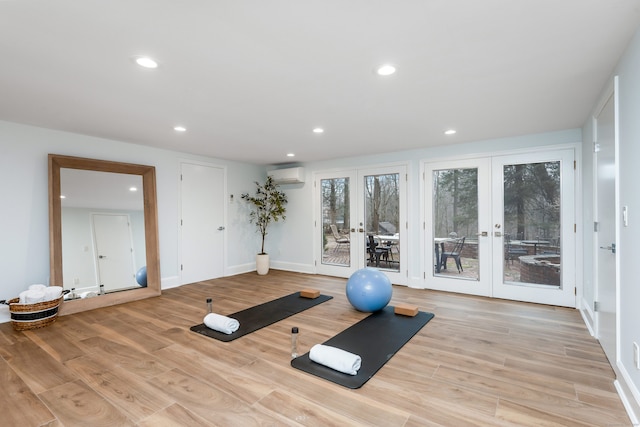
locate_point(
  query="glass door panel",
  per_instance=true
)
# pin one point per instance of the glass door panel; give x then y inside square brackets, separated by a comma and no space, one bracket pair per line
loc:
[382,221]
[336,221]
[534,238]
[455,223]
[531,223]
[335,210]
[457,239]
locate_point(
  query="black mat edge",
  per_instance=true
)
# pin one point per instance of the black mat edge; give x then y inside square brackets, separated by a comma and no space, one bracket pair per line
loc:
[376,338]
[249,325]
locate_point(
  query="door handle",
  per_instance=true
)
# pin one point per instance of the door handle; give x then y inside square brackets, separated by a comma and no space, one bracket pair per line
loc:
[497,233]
[611,248]
[483,234]
[360,230]
[220,228]
[101,256]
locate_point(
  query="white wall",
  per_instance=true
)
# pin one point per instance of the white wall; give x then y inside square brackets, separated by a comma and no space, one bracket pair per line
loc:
[24,224]
[296,234]
[628,70]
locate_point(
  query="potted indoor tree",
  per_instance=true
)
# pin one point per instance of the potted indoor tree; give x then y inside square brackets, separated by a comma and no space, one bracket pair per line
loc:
[268,204]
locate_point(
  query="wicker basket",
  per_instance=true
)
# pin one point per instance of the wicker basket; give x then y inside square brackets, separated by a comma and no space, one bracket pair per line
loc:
[32,316]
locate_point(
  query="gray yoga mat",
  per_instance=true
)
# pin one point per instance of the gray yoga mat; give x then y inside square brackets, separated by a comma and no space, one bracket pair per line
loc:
[375,339]
[259,316]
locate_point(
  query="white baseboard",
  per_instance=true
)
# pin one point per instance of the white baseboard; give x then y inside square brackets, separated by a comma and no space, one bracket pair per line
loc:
[588,316]
[240,269]
[628,393]
[416,283]
[169,282]
[290,266]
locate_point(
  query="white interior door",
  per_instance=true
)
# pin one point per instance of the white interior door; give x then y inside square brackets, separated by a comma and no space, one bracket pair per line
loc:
[114,250]
[202,223]
[605,236]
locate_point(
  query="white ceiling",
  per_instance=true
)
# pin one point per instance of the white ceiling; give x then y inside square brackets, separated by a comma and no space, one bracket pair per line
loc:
[250,79]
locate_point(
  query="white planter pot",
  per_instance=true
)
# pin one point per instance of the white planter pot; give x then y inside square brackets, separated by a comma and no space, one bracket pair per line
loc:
[262,264]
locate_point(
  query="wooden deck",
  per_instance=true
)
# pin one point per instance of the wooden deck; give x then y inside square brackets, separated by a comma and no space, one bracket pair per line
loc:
[479,362]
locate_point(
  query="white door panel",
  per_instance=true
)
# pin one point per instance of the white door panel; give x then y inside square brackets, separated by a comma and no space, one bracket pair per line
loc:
[114,249]
[202,225]
[605,237]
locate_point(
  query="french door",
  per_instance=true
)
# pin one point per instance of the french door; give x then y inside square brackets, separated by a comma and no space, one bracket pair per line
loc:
[503,227]
[458,201]
[360,221]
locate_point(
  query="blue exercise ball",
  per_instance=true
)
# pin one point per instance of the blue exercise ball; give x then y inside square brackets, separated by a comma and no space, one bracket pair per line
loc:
[369,290]
[141,277]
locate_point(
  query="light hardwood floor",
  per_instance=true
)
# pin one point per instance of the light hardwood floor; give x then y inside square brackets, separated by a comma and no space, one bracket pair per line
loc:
[478,362]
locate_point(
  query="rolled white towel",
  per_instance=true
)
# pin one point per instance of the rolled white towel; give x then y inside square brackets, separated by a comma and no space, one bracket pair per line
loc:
[335,358]
[33,297]
[88,294]
[23,297]
[221,323]
[52,292]
[37,287]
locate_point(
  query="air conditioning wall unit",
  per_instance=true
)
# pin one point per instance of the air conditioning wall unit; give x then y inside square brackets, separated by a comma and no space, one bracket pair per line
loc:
[287,176]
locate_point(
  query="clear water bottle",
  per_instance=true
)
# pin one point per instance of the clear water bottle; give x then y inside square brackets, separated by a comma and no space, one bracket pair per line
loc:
[294,342]
[209,305]
[101,289]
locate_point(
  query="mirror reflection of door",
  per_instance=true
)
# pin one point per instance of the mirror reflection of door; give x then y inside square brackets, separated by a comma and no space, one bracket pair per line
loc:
[114,250]
[85,193]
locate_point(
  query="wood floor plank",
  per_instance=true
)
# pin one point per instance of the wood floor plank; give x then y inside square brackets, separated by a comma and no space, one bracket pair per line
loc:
[130,394]
[209,402]
[288,406]
[37,368]
[18,404]
[218,373]
[479,362]
[172,416]
[133,360]
[76,404]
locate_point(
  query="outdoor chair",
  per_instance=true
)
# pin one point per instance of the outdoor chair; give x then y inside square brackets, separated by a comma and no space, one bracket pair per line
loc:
[512,251]
[339,238]
[376,252]
[455,254]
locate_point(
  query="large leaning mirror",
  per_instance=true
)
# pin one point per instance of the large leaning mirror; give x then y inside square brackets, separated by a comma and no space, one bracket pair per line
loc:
[103,231]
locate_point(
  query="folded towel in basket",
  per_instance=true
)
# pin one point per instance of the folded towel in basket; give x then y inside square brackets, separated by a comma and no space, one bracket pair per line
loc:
[221,323]
[335,358]
[52,292]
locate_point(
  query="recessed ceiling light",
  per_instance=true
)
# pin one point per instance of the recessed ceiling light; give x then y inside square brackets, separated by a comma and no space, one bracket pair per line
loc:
[62,196]
[386,70]
[180,129]
[146,62]
[450,132]
[290,155]
[132,189]
[318,130]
